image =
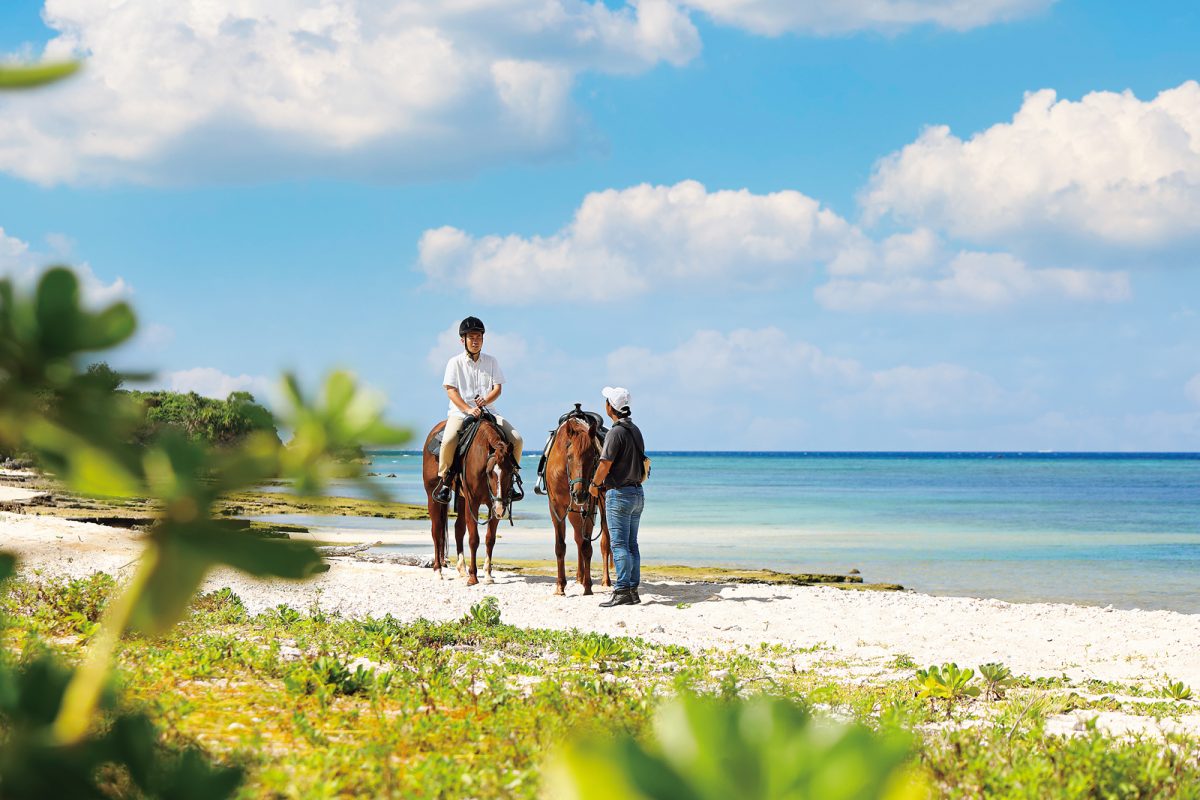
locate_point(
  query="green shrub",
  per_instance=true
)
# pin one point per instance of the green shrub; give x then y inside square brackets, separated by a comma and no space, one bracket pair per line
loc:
[1177,690]
[601,651]
[997,678]
[947,683]
[485,613]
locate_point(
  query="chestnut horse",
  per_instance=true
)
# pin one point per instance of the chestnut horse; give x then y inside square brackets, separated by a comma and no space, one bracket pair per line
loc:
[485,478]
[570,468]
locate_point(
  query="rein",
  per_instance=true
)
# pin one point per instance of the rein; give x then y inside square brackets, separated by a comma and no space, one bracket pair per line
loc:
[473,509]
[588,508]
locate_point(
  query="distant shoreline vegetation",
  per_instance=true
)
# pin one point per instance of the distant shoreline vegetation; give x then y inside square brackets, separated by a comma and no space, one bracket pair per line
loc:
[217,422]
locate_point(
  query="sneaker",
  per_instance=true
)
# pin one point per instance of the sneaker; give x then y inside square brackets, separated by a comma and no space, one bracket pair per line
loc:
[636,600]
[620,597]
[441,493]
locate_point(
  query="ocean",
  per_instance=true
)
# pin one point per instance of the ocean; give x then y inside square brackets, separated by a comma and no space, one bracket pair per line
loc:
[1097,528]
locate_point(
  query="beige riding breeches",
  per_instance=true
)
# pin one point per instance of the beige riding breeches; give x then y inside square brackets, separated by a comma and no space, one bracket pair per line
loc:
[450,440]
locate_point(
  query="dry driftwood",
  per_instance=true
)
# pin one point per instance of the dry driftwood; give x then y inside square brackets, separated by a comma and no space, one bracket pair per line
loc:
[346,550]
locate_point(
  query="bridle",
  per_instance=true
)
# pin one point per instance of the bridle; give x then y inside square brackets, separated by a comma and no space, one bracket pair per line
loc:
[490,467]
[492,463]
[587,508]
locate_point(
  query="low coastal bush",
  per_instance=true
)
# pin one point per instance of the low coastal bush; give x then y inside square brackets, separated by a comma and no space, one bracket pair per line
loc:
[486,612]
[1177,690]
[948,684]
[306,704]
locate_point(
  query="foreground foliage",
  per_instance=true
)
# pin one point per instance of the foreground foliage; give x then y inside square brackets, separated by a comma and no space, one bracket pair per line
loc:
[312,705]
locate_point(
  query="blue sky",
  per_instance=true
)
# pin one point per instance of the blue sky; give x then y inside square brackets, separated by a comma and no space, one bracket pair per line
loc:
[809,264]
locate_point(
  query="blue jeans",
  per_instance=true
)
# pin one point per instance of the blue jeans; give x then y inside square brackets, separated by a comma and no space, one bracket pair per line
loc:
[624,508]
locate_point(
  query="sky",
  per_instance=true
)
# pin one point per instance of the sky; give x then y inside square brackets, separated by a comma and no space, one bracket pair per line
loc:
[782,224]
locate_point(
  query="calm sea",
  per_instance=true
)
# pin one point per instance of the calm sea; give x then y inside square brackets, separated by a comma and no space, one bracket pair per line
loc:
[1120,529]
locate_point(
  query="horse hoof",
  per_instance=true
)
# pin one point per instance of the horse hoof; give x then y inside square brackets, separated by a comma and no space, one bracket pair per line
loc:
[472,580]
[587,590]
[488,580]
[558,591]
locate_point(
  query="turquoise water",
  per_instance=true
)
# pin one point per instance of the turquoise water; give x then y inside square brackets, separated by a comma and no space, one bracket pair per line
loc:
[1114,529]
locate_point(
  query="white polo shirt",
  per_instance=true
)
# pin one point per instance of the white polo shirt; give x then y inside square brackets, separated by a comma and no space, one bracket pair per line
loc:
[472,379]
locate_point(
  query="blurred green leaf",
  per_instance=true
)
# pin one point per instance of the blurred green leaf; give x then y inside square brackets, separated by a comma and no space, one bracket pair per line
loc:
[108,328]
[29,77]
[176,575]
[758,749]
[58,316]
[263,558]
[8,566]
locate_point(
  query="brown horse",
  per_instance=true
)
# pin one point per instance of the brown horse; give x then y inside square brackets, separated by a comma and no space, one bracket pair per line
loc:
[486,478]
[570,468]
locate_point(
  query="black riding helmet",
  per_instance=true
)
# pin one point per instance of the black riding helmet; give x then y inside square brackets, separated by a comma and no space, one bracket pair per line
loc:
[469,325]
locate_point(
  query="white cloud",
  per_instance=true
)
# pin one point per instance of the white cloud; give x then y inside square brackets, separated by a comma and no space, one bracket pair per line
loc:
[914,272]
[211,382]
[155,336]
[1110,169]
[508,348]
[24,265]
[767,370]
[938,389]
[1192,389]
[774,17]
[684,237]
[641,238]
[262,88]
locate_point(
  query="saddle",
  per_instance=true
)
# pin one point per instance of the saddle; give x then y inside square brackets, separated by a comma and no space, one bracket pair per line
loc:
[466,437]
[598,430]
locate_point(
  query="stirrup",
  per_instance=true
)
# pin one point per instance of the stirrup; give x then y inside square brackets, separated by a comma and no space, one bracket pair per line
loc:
[442,492]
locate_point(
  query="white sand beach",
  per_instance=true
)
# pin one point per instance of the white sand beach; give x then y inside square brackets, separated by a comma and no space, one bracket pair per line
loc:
[1038,639]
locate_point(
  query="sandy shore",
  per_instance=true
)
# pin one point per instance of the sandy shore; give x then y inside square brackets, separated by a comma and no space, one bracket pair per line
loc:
[1031,638]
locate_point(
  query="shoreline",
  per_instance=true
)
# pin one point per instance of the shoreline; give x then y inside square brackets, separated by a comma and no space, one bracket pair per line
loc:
[1039,639]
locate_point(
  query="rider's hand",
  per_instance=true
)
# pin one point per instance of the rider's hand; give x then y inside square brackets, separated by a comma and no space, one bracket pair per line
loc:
[476,411]
[594,490]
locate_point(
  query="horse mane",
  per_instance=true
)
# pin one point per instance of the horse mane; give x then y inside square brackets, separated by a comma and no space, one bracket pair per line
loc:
[495,441]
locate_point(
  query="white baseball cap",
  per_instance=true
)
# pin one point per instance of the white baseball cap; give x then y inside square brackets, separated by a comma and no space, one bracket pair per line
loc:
[616,396]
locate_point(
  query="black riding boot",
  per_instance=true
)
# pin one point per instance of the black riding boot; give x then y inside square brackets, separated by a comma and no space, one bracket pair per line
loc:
[620,597]
[441,492]
[517,492]
[636,599]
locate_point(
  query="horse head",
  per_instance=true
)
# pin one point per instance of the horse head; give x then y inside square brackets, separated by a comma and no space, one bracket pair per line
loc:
[582,458]
[499,476]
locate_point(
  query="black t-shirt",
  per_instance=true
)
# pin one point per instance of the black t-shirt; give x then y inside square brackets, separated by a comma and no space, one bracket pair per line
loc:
[624,447]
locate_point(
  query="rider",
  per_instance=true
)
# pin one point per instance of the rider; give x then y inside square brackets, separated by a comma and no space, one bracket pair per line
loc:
[473,381]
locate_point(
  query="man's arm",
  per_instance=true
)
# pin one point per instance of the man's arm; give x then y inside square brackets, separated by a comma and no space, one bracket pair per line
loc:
[490,397]
[601,475]
[461,404]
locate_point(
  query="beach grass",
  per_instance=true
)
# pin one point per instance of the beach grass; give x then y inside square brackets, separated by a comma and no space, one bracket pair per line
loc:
[313,705]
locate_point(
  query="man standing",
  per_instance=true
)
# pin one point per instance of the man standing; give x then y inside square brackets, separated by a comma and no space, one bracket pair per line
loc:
[473,381]
[621,472]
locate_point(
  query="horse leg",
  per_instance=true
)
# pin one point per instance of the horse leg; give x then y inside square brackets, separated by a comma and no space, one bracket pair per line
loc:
[583,546]
[560,551]
[460,530]
[606,553]
[489,543]
[437,521]
[473,542]
[605,543]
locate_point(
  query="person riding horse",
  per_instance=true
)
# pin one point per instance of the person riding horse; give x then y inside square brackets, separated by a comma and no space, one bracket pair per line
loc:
[473,380]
